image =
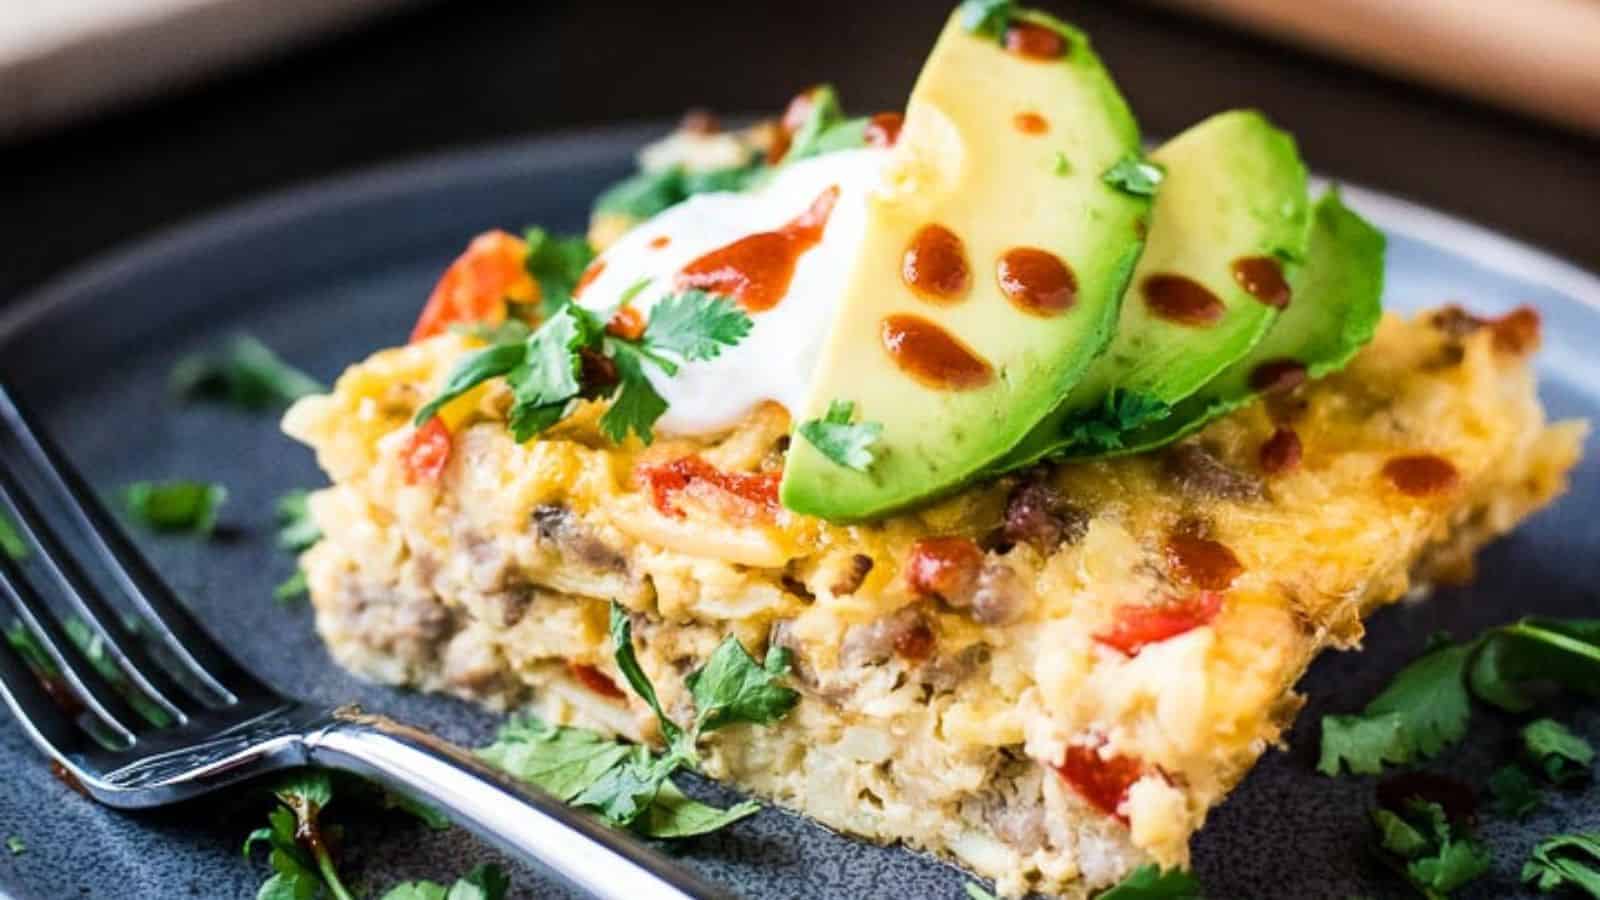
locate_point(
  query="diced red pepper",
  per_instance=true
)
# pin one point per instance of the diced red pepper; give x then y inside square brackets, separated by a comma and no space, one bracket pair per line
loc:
[425,453]
[477,285]
[758,491]
[945,567]
[596,680]
[1135,627]
[1103,781]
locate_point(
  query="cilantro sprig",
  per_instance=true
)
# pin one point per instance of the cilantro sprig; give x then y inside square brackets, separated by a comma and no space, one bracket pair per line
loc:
[1565,861]
[1433,853]
[245,374]
[627,785]
[1133,174]
[178,505]
[297,531]
[1151,882]
[846,444]
[1561,756]
[557,264]
[547,374]
[1427,706]
[1123,411]
[486,882]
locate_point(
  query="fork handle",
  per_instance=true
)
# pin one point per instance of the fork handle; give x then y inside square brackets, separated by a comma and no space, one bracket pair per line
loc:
[524,822]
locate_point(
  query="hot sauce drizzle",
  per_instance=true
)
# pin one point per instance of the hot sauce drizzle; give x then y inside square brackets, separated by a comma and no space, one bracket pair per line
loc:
[1030,123]
[755,271]
[931,355]
[1181,300]
[1035,42]
[626,323]
[659,241]
[1262,278]
[1202,562]
[756,491]
[935,265]
[590,273]
[1036,281]
[883,129]
[1421,474]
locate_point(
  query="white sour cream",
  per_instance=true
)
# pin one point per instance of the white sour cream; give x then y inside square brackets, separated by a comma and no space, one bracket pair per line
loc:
[776,359]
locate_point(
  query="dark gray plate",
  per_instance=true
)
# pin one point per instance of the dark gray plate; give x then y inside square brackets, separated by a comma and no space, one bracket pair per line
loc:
[330,272]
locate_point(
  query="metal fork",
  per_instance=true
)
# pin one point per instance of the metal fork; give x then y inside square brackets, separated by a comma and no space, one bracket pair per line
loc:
[222,725]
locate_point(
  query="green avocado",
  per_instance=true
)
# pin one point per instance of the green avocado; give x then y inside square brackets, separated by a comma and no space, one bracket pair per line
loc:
[944,367]
[1231,219]
[1336,308]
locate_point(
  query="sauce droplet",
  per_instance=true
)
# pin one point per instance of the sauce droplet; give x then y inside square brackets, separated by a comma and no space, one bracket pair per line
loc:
[627,323]
[1182,300]
[883,129]
[932,355]
[1421,474]
[1281,452]
[659,241]
[1262,278]
[1277,376]
[755,270]
[1032,41]
[935,265]
[1202,562]
[1036,281]
[590,273]
[1030,123]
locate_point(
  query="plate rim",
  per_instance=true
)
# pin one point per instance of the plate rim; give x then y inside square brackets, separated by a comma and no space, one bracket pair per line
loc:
[436,170]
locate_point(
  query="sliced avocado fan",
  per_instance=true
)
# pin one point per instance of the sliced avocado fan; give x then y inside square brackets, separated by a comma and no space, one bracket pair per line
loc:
[993,265]
[1336,308]
[1231,221]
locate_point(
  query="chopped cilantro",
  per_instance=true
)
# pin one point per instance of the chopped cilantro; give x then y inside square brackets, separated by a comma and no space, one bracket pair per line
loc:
[1565,861]
[556,263]
[825,128]
[11,543]
[1151,882]
[94,649]
[628,662]
[1428,704]
[15,845]
[176,505]
[1135,175]
[296,529]
[247,375]
[1432,852]
[644,194]
[486,882]
[845,444]
[1123,411]
[986,18]
[511,331]
[292,587]
[545,371]
[1515,794]
[1562,756]
[732,687]
[301,864]
[1062,166]
[977,892]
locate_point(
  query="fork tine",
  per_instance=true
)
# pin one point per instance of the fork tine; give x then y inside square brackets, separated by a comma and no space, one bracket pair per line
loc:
[90,688]
[40,715]
[128,655]
[183,637]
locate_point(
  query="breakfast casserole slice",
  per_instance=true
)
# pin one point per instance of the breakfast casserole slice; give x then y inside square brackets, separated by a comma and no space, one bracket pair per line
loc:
[1048,670]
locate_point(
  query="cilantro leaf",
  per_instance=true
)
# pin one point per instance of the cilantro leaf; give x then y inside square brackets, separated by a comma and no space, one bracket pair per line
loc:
[625,791]
[628,662]
[486,882]
[556,263]
[1133,174]
[176,505]
[825,128]
[841,442]
[1565,860]
[1122,412]
[1562,756]
[644,194]
[1426,847]
[247,374]
[986,18]
[1061,165]
[731,687]
[1424,708]
[549,370]
[977,892]
[1363,743]
[1515,794]
[290,588]
[674,815]
[636,405]
[1534,652]
[1151,882]
[11,543]
[15,845]
[490,362]
[730,178]
[1456,863]
[296,529]
[562,761]
[695,325]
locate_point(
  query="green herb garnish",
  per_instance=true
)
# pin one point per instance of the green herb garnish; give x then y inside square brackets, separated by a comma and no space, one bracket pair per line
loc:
[1122,412]
[986,18]
[1515,794]
[1135,175]
[545,371]
[1553,749]
[301,864]
[977,892]
[11,543]
[247,374]
[178,505]
[825,128]
[486,882]
[296,529]
[1433,854]
[836,438]
[1061,165]
[1565,861]
[15,845]
[556,263]
[1151,882]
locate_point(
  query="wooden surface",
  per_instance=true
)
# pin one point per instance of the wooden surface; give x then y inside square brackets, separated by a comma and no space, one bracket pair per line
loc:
[452,75]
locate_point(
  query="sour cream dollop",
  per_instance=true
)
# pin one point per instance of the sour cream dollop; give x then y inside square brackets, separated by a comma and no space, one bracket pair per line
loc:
[776,359]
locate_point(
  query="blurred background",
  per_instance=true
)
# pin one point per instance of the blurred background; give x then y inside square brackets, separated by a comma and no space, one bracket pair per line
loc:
[121,117]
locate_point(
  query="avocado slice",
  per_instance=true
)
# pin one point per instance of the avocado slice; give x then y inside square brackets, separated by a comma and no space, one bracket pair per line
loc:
[1336,308]
[1019,254]
[1231,216]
